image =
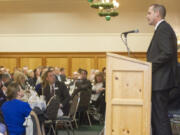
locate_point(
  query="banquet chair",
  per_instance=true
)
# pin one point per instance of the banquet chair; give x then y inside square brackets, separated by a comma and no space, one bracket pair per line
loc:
[68,120]
[39,129]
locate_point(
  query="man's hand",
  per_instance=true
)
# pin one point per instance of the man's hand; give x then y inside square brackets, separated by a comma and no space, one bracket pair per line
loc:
[100,90]
[4,89]
[60,105]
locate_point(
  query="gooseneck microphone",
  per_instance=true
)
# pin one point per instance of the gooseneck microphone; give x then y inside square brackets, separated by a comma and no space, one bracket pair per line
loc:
[125,38]
[132,31]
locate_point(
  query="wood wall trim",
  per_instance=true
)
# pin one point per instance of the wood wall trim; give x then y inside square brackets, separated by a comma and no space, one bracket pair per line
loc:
[64,54]
[88,60]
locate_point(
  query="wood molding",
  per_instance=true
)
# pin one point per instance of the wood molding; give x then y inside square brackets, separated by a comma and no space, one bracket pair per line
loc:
[66,54]
[87,60]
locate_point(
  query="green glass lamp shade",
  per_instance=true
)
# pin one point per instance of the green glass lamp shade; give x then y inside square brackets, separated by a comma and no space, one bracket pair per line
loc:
[108,18]
[90,0]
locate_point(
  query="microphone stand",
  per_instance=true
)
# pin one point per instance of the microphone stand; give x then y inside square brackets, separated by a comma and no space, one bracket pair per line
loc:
[125,42]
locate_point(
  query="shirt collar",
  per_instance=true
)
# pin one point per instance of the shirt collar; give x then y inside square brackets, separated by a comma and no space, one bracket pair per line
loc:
[158,23]
[52,85]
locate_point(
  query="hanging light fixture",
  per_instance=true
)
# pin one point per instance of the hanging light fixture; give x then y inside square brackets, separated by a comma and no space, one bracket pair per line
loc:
[107,8]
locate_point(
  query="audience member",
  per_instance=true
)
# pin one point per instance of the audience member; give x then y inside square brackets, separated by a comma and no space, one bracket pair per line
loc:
[98,87]
[52,87]
[15,110]
[62,74]
[20,79]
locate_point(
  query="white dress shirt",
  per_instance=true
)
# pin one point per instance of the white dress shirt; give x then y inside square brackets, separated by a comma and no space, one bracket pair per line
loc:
[158,23]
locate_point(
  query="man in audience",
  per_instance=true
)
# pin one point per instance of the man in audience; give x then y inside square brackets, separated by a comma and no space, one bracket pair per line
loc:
[6,79]
[62,74]
[84,88]
[52,87]
[57,74]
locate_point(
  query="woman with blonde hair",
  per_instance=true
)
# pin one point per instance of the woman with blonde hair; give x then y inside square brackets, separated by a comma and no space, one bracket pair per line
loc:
[15,110]
[20,79]
[98,87]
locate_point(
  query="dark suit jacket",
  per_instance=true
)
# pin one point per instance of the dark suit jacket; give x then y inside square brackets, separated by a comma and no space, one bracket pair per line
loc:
[162,53]
[84,87]
[63,78]
[60,90]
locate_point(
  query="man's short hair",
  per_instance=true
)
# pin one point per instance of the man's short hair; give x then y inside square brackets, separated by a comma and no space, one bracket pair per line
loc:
[85,71]
[161,9]
[61,69]
[6,76]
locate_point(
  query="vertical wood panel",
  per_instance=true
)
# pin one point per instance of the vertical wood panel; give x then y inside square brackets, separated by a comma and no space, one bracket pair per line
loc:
[101,63]
[8,63]
[58,62]
[84,63]
[32,63]
[70,66]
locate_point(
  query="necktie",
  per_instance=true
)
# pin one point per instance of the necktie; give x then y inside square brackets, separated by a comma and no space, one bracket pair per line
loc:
[52,90]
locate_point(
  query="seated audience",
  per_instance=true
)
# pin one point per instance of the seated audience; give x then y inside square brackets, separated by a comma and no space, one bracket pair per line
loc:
[15,110]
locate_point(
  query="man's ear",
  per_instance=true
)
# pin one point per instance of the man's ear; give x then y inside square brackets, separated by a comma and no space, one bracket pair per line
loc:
[157,14]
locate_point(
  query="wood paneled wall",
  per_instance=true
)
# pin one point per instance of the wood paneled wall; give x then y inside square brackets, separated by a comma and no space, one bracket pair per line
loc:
[70,61]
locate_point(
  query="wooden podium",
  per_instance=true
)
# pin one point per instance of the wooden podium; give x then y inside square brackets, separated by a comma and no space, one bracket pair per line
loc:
[128,96]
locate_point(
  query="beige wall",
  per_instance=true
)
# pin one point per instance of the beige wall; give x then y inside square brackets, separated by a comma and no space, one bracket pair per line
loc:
[71,25]
[84,42]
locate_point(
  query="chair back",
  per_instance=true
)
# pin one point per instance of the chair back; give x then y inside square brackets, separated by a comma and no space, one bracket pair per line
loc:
[74,106]
[52,108]
[36,122]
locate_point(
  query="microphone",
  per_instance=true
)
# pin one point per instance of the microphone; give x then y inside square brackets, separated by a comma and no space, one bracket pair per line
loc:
[132,31]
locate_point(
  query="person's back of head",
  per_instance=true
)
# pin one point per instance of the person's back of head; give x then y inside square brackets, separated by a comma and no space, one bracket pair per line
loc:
[6,77]
[12,90]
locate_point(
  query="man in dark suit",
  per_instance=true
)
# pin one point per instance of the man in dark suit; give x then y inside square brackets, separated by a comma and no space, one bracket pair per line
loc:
[162,53]
[62,74]
[53,87]
[84,88]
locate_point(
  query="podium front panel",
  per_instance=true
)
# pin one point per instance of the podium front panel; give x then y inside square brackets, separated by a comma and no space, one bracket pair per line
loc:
[128,96]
